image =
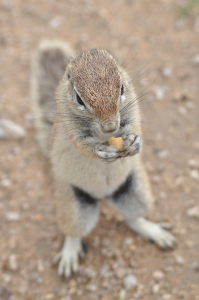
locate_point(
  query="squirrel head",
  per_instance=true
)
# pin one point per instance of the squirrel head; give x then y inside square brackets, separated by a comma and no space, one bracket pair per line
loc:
[96,87]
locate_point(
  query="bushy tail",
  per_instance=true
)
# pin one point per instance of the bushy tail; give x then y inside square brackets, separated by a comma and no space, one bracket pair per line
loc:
[48,65]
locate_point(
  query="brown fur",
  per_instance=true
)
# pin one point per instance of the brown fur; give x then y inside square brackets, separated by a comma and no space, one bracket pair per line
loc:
[96,78]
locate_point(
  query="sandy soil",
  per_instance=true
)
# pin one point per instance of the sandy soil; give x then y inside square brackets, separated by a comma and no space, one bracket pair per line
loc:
[154,32]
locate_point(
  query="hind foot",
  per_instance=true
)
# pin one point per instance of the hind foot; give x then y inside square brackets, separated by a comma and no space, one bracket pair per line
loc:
[153,232]
[68,257]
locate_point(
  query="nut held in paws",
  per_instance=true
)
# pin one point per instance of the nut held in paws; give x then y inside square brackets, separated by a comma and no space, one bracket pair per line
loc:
[118,143]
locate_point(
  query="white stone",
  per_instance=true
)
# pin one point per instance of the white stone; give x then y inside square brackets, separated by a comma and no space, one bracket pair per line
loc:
[130,282]
[128,241]
[179,259]
[9,129]
[182,110]
[194,174]
[40,265]
[155,288]
[91,287]
[103,270]
[159,93]
[49,296]
[12,216]
[163,154]
[166,297]
[12,261]
[167,72]
[179,24]
[90,272]
[196,59]
[122,294]
[6,183]
[193,163]
[193,211]
[54,23]
[120,272]
[190,105]
[158,275]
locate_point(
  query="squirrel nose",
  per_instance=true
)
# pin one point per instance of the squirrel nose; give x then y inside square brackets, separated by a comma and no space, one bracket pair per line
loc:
[109,128]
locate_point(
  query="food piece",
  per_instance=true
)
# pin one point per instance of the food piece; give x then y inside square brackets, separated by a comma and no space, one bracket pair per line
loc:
[118,143]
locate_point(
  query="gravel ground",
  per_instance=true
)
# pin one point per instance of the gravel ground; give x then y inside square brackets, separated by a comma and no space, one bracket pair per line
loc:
[160,48]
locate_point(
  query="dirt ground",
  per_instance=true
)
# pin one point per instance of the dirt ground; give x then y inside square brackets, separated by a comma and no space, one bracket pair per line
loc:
[143,33]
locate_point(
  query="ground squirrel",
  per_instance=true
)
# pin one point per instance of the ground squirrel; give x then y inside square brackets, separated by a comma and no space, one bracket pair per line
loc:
[95,100]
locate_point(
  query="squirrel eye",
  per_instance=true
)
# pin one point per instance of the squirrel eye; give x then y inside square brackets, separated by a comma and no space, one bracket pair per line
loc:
[79,100]
[122,90]
[68,76]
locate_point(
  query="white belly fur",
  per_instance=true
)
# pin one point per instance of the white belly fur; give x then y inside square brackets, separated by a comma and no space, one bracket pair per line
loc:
[91,175]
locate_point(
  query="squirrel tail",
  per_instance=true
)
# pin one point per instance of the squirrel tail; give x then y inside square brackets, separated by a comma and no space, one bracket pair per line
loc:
[48,65]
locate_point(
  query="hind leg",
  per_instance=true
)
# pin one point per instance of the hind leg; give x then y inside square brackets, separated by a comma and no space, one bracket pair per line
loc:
[134,199]
[77,215]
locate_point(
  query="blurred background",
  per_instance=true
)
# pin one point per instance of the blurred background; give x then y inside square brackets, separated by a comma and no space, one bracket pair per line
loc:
[158,42]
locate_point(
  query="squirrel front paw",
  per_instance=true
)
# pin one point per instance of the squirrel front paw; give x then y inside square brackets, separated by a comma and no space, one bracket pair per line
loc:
[107,153]
[132,145]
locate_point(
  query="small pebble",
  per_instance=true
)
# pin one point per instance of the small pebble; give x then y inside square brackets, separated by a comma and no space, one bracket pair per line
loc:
[190,105]
[179,259]
[12,261]
[40,265]
[193,211]
[6,183]
[159,93]
[158,275]
[103,270]
[9,130]
[90,272]
[54,23]
[182,110]
[91,287]
[120,272]
[196,59]
[133,263]
[129,282]
[122,294]
[179,24]
[166,72]
[49,296]
[163,154]
[166,297]
[128,241]
[193,163]
[155,288]
[194,174]
[12,216]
